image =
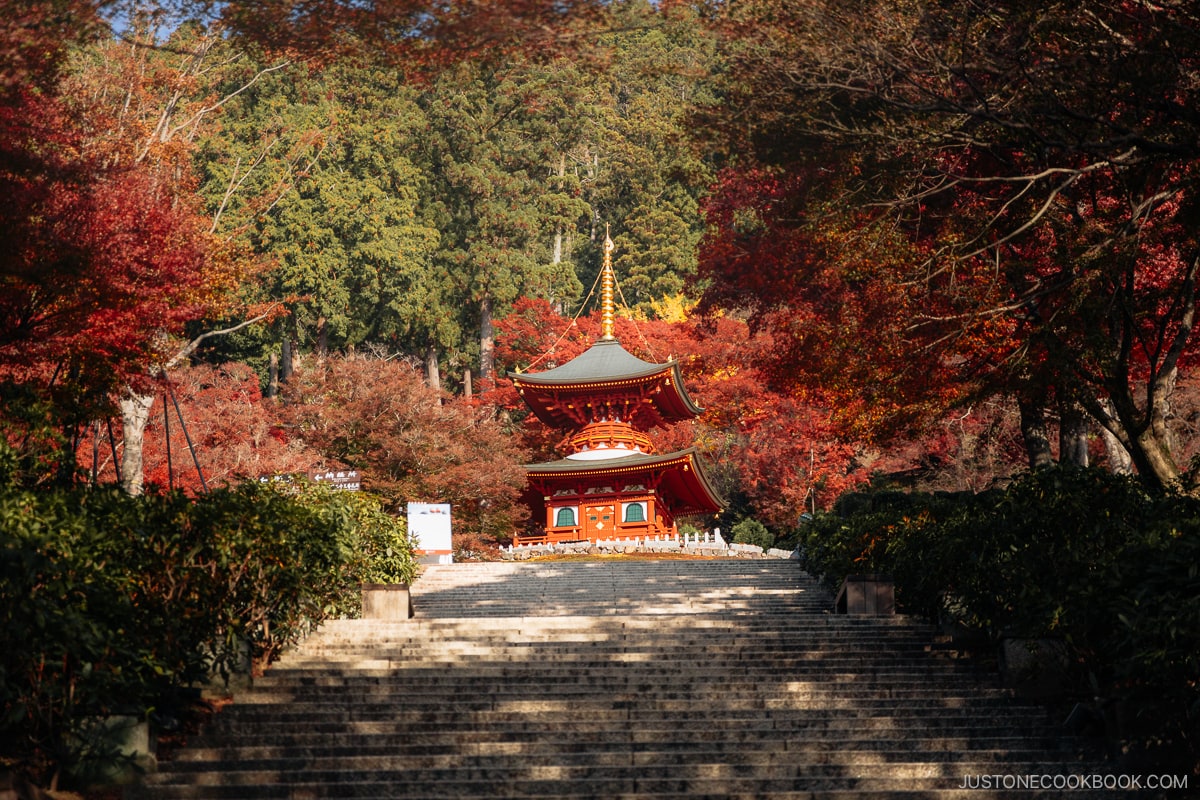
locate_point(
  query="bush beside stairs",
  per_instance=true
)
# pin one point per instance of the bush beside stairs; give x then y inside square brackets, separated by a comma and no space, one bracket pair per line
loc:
[620,679]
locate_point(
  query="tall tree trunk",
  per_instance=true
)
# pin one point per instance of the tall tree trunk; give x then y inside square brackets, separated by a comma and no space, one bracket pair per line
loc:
[433,375]
[556,259]
[273,376]
[287,363]
[1161,412]
[467,388]
[1153,459]
[135,413]
[1119,461]
[1145,433]
[556,252]
[322,337]
[1035,434]
[487,340]
[1144,440]
[135,409]
[1072,434]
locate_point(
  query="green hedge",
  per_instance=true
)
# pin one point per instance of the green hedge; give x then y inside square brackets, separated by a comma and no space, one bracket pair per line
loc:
[751,531]
[1083,555]
[109,604]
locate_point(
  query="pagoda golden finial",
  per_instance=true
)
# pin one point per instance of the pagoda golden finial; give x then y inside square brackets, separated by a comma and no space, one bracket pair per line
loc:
[607,284]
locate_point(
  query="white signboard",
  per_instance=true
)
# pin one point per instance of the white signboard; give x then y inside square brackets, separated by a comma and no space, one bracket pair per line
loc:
[429,526]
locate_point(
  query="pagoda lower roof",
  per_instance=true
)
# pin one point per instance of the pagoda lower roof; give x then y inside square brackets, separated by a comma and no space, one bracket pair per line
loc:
[606,369]
[683,482]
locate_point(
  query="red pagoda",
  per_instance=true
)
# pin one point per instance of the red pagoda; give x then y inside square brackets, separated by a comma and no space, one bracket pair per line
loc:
[612,485]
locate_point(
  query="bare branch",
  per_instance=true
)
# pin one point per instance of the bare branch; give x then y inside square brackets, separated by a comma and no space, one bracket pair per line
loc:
[193,345]
[235,183]
[217,105]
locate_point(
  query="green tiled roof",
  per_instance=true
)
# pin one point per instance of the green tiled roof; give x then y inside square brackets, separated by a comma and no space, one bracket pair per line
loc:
[606,360]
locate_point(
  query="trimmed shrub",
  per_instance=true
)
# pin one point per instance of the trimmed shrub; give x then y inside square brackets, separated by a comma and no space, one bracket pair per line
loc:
[109,604]
[1082,555]
[751,531]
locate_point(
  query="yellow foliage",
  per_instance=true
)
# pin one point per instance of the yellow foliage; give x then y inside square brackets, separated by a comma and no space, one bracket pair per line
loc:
[673,308]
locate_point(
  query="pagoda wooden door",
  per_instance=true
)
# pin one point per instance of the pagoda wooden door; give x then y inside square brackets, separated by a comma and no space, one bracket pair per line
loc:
[600,520]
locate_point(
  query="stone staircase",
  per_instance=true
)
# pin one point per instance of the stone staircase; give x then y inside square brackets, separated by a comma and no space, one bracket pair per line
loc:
[620,679]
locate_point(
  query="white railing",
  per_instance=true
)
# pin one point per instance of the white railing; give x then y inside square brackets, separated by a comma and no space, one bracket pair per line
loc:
[710,542]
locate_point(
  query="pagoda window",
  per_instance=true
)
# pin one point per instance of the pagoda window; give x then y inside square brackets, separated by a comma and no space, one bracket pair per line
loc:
[635,512]
[564,517]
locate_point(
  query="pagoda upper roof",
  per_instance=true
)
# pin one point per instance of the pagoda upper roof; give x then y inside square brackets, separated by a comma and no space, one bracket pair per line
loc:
[684,483]
[606,360]
[607,371]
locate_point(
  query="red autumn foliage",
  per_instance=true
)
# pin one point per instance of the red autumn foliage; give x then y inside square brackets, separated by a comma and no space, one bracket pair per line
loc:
[34,37]
[97,265]
[409,441]
[834,301]
[236,435]
[413,34]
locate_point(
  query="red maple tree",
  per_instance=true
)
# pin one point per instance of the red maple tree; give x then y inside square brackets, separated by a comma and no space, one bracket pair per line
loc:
[410,442]
[99,266]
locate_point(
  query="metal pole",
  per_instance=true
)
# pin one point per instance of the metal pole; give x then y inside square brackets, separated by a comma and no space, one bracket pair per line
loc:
[167,436]
[188,436]
[112,442]
[95,450]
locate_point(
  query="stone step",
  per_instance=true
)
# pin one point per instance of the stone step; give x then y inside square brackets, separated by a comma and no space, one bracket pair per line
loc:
[395,785]
[813,641]
[695,627]
[316,792]
[698,661]
[651,730]
[816,636]
[615,692]
[653,727]
[848,748]
[400,673]
[848,651]
[853,652]
[844,752]
[407,770]
[780,625]
[798,646]
[365,671]
[760,618]
[414,693]
[580,630]
[516,716]
[817,639]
